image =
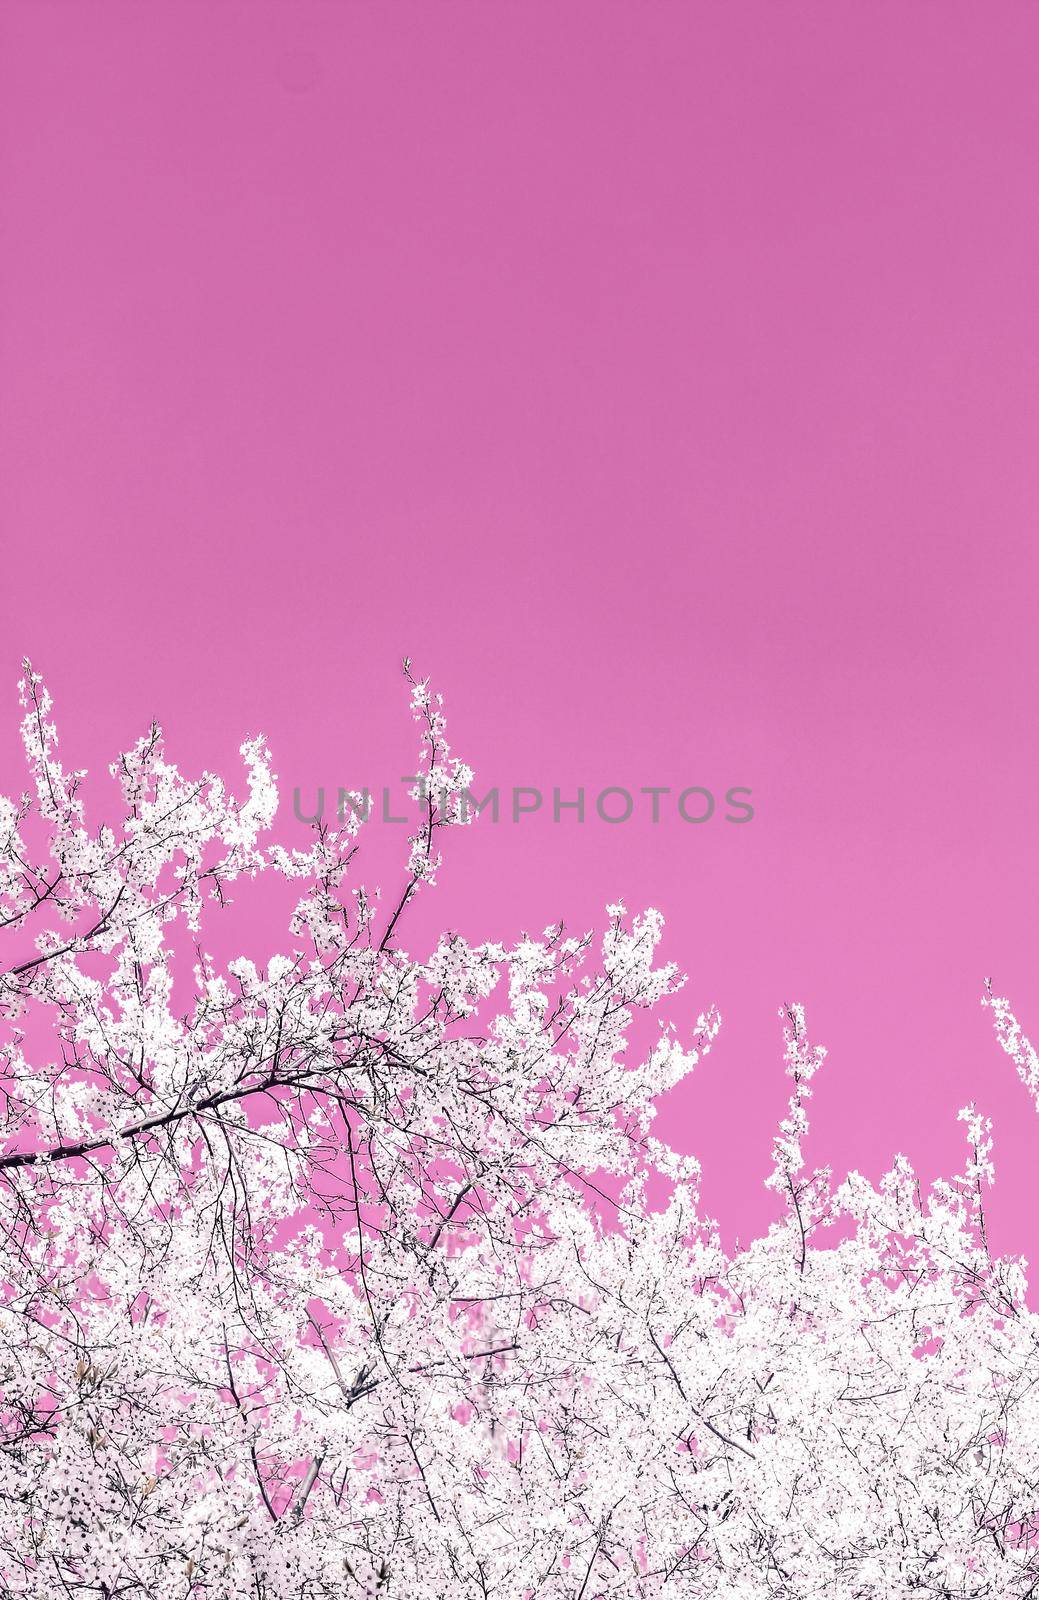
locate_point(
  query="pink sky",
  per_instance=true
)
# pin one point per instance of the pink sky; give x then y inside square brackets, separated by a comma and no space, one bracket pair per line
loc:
[662,379]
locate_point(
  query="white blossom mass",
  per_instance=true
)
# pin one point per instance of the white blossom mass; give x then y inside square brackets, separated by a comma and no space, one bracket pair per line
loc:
[353,1274]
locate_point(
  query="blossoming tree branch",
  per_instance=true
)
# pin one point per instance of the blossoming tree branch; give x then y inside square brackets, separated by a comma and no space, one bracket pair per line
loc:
[338,1276]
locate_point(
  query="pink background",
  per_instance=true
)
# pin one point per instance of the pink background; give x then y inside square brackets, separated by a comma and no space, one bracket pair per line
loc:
[663,380]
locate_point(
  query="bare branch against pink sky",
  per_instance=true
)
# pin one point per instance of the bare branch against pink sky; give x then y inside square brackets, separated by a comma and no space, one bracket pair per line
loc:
[662,383]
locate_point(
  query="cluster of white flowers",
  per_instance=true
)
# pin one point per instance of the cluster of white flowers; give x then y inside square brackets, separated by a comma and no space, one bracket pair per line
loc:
[338,1277]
